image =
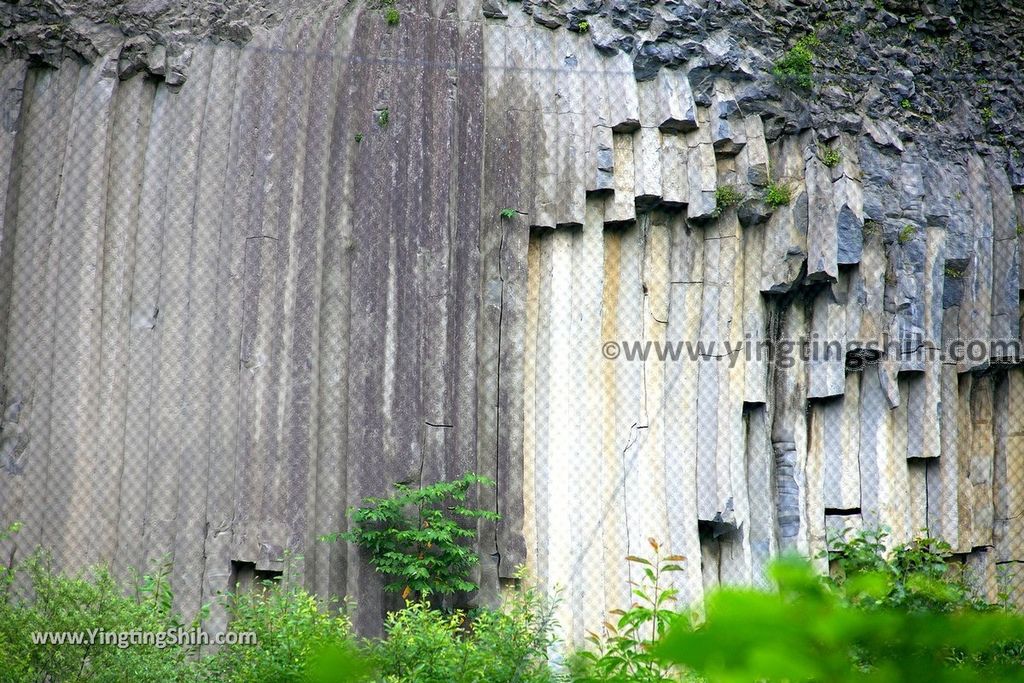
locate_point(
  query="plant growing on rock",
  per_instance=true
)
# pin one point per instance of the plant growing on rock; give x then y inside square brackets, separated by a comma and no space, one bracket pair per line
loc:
[583,26]
[907,234]
[953,272]
[383,117]
[419,536]
[776,195]
[796,66]
[391,13]
[830,156]
[726,196]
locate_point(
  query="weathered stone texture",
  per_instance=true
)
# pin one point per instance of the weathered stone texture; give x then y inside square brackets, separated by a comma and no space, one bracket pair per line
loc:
[242,288]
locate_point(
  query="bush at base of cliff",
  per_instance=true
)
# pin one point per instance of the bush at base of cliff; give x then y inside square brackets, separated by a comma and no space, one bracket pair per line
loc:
[293,631]
[509,644]
[77,607]
[888,616]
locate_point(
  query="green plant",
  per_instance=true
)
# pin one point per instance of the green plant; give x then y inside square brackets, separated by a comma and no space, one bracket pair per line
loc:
[987,114]
[872,228]
[916,575]
[359,137]
[508,213]
[7,573]
[953,272]
[906,234]
[383,117]
[776,195]
[811,630]
[796,66]
[830,156]
[295,633]
[1020,229]
[92,603]
[424,645]
[11,530]
[583,26]
[392,16]
[726,196]
[624,651]
[418,536]
[905,103]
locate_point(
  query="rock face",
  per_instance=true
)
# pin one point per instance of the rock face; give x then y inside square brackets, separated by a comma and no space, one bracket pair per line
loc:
[243,289]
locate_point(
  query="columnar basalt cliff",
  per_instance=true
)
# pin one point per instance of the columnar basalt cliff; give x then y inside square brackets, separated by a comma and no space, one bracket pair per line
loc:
[259,263]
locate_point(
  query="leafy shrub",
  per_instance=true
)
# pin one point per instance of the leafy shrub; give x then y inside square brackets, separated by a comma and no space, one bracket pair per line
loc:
[424,645]
[419,536]
[907,234]
[85,604]
[830,156]
[905,615]
[776,195]
[726,196]
[294,632]
[624,652]
[796,66]
[391,13]
[917,575]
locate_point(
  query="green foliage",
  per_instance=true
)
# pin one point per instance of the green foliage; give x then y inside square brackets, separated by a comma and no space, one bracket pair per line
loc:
[508,213]
[508,644]
[419,536]
[726,196]
[81,605]
[916,575]
[383,117]
[796,66]
[624,651]
[583,26]
[907,234]
[359,138]
[391,14]
[776,195]
[953,272]
[905,103]
[296,636]
[987,114]
[901,615]
[10,531]
[872,228]
[830,156]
